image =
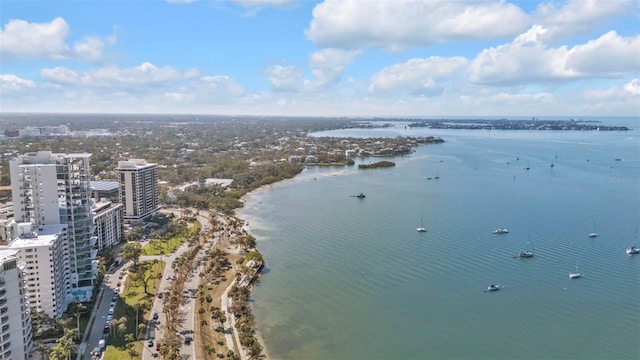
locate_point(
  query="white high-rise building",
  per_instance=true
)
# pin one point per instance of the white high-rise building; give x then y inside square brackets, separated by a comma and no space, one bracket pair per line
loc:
[139,190]
[49,189]
[44,252]
[107,218]
[15,319]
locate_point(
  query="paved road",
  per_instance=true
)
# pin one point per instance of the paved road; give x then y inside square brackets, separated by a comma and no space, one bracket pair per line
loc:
[155,329]
[100,312]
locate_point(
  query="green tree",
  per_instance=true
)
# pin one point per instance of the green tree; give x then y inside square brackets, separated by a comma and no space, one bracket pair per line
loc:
[132,352]
[64,348]
[44,350]
[78,310]
[131,251]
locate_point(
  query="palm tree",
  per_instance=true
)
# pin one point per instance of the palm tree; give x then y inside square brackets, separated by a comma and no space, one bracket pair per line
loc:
[64,348]
[44,350]
[143,304]
[79,309]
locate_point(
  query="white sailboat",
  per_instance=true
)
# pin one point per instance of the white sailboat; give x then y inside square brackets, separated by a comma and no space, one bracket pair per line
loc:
[593,233]
[634,249]
[421,228]
[574,274]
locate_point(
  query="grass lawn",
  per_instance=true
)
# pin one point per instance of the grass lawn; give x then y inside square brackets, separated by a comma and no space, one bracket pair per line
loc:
[114,353]
[163,247]
[132,293]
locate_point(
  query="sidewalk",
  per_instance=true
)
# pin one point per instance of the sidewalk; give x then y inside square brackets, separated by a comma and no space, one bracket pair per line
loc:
[231,332]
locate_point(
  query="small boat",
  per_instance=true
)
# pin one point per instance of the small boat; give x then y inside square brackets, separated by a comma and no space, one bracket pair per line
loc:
[618,159]
[421,228]
[361,196]
[501,231]
[633,250]
[593,233]
[493,287]
[525,254]
[574,274]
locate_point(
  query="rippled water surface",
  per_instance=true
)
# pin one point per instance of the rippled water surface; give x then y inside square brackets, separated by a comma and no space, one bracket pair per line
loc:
[350,278]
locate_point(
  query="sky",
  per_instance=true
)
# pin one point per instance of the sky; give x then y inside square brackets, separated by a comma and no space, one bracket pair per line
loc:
[352,58]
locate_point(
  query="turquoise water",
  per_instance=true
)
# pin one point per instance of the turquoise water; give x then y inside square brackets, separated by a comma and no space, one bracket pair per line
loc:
[350,278]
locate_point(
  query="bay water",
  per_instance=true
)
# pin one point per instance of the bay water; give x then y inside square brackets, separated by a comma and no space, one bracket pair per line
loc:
[351,278]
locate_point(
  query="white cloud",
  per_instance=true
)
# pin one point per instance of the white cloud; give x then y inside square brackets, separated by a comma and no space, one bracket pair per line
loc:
[528,60]
[396,25]
[284,78]
[146,74]
[632,87]
[417,76]
[10,83]
[24,40]
[608,55]
[328,65]
[21,39]
[616,99]
[222,84]
[578,17]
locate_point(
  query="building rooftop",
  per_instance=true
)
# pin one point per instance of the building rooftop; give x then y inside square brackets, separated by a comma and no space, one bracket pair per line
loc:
[104,185]
[7,254]
[43,235]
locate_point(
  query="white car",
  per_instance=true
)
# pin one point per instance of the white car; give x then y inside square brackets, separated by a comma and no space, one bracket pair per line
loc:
[168,277]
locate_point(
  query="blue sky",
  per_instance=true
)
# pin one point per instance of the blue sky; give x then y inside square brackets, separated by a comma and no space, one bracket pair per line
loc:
[322,58]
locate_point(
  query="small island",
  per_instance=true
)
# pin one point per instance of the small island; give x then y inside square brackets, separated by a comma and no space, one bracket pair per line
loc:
[379,164]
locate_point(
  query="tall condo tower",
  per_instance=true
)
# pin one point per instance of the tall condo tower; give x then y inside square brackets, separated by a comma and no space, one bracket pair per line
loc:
[15,319]
[50,188]
[139,191]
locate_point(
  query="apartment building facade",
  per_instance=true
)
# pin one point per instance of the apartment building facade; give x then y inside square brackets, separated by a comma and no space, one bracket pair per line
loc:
[108,222]
[45,253]
[15,319]
[54,189]
[139,189]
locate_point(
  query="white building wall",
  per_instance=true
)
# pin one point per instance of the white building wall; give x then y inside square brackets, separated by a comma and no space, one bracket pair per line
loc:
[15,320]
[35,192]
[139,189]
[108,222]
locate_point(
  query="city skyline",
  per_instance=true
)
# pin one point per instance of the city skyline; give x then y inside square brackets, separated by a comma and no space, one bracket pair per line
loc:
[322,58]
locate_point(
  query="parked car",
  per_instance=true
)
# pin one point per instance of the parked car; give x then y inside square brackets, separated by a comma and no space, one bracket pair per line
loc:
[158,347]
[150,343]
[106,329]
[188,340]
[155,316]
